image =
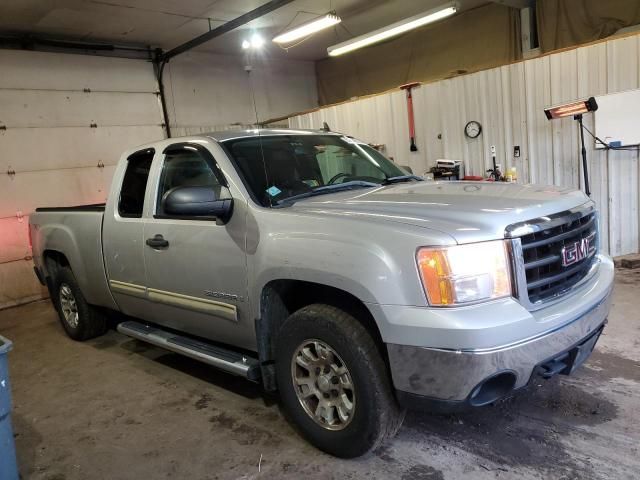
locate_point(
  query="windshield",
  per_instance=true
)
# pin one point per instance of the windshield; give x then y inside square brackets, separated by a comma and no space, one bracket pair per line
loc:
[279,167]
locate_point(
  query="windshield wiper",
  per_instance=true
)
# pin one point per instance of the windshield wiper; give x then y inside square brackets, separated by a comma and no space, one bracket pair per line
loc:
[329,189]
[402,178]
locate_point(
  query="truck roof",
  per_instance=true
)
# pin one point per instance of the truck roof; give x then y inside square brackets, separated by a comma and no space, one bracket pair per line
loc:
[225,135]
[222,136]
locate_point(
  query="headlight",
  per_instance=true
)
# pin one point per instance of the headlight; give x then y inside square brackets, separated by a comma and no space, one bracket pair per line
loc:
[465,273]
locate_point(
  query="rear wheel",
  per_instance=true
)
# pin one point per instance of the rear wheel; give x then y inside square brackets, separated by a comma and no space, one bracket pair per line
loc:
[80,320]
[334,383]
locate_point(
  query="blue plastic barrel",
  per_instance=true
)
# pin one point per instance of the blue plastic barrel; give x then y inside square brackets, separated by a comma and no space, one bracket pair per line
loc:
[8,465]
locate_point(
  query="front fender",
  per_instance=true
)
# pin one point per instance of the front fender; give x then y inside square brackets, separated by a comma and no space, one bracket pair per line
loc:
[375,262]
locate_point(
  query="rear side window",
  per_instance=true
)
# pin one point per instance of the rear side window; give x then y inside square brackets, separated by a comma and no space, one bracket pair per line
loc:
[134,184]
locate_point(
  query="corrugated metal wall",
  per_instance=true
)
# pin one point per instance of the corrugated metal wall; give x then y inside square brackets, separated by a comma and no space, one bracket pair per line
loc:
[49,153]
[509,102]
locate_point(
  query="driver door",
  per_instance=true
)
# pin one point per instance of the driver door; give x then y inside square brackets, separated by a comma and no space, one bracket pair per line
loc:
[196,267]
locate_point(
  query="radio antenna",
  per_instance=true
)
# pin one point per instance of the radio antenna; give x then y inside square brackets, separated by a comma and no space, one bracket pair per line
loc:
[248,68]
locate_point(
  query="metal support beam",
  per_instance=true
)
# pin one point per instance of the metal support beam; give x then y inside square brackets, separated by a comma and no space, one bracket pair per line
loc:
[158,67]
[516,3]
[161,59]
[57,45]
[227,27]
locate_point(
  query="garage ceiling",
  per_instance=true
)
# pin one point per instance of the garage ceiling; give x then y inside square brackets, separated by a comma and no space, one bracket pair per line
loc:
[168,23]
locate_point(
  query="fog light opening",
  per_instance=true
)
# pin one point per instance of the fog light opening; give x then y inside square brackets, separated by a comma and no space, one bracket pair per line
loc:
[492,389]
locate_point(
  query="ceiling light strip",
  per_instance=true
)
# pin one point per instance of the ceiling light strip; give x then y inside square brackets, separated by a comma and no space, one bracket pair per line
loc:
[308,28]
[394,29]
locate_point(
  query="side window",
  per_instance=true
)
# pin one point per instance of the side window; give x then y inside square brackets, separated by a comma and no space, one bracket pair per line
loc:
[131,200]
[185,168]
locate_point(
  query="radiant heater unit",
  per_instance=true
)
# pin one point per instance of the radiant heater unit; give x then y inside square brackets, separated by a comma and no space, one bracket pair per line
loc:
[576,110]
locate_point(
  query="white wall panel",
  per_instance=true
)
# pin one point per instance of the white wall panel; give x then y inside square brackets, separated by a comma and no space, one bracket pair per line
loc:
[514,109]
[208,90]
[564,84]
[18,284]
[509,102]
[15,234]
[592,80]
[622,74]
[538,87]
[429,125]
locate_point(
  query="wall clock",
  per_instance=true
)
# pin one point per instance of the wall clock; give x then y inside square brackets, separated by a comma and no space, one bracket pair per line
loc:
[473,129]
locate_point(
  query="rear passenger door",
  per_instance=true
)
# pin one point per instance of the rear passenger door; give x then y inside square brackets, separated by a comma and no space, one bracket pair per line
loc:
[197,277]
[123,230]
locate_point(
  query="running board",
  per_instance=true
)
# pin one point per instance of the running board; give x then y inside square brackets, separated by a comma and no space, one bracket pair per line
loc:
[227,360]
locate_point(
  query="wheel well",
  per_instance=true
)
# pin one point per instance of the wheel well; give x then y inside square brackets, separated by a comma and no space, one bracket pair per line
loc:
[53,261]
[281,298]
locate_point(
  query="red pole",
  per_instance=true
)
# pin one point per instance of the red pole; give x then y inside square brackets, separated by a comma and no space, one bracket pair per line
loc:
[412,127]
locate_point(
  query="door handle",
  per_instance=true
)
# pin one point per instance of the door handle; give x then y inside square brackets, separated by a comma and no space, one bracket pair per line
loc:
[157,241]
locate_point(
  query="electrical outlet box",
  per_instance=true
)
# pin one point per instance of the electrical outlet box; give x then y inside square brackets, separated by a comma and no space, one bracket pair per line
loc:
[516,151]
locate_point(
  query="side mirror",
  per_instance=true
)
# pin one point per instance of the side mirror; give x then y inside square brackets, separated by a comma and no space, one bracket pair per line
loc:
[198,202]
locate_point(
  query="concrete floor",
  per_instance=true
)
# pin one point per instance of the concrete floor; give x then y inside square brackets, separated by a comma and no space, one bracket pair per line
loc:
[115,408]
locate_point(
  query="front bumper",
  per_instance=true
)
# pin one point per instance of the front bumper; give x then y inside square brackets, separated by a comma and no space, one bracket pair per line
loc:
[448,377]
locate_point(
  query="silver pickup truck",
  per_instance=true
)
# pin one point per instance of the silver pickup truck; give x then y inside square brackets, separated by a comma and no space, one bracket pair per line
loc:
[309,262]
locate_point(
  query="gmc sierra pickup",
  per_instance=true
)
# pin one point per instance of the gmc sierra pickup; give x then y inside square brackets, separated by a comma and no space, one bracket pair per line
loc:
[309,262]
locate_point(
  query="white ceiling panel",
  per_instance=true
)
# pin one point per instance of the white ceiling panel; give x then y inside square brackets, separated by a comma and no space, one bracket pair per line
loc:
[168,23]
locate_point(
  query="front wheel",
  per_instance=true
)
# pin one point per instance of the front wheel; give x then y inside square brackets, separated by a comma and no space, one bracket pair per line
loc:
[334,383]
[80,320]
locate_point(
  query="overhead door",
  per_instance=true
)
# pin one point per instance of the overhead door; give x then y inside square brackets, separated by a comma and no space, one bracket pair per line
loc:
[64,121]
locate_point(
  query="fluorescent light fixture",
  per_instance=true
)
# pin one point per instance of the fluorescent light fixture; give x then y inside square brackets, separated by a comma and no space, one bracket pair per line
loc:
[308,28]
[571,109]
[394,29]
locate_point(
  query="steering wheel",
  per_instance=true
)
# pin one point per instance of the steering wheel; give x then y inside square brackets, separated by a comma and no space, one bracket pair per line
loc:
[336,177]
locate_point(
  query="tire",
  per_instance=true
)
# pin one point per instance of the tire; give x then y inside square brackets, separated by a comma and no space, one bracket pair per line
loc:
[88,321]
[368,413]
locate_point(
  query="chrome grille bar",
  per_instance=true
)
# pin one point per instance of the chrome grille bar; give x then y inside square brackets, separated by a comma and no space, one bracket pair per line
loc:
[553,254]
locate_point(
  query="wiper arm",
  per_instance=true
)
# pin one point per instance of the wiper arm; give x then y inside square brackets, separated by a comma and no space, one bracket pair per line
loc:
[329,189]
[402,178]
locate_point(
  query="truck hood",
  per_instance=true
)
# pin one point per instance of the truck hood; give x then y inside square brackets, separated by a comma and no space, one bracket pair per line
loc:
[467,211]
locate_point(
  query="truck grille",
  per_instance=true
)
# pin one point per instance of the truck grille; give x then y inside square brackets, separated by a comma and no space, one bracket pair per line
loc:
[557,254]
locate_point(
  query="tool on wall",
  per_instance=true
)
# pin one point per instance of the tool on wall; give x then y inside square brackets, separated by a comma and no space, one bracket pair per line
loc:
[412,126]
[447,170]
[495,172]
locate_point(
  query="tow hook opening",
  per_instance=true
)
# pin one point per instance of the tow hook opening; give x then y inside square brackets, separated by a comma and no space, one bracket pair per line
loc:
[492,389]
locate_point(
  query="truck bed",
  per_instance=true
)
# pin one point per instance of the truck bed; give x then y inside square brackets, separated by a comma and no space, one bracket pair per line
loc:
[76,233]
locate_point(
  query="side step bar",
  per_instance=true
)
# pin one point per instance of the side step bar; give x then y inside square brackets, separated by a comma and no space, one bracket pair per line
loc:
[227,360]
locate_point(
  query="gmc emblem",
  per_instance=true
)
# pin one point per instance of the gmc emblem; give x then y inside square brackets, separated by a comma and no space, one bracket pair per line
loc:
[578,250]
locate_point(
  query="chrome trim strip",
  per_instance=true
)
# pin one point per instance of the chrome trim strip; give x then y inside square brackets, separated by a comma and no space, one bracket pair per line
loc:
[201,305]
[528,227]
[128,288]
[519,343]
[452,374]
[210,307]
